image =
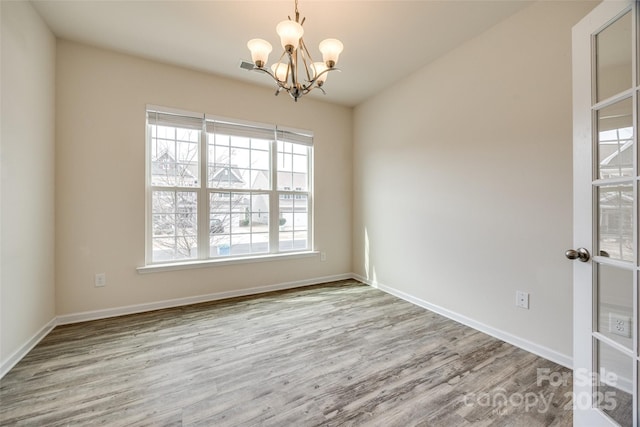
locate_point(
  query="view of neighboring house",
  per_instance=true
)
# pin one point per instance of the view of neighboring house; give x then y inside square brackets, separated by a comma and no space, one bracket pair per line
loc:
[239,220]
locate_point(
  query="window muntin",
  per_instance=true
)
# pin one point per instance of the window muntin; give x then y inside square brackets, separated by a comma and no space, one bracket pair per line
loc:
[239,208]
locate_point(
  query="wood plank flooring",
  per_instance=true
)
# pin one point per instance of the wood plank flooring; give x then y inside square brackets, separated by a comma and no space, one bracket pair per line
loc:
[340,354]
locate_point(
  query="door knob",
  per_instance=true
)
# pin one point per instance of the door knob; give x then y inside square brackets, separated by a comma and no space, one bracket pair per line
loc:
[581,253]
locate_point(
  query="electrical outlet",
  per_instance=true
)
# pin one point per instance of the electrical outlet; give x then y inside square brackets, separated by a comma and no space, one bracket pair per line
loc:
[100,280]
[620,325]
[323,256]
[522,299]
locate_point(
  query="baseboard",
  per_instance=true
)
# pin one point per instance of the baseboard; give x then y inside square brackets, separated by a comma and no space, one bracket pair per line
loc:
[141,308]
[21,352]
[537,349]
[542,351]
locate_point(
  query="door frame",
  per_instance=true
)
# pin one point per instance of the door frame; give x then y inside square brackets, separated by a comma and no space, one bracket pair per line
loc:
[583,211]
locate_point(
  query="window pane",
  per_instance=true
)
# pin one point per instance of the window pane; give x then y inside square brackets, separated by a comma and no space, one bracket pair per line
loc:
[259,210]
[300,163]
[239,223]
[614,387]
[259,159]
[174,225]
[163,225]
[285,241]
[240,158]
[260,243]
[615,222]
[285,181]
[239,141]
[614,53]
[293,166]
[174,156]
[238,162]
[300,149]
[163,202]
[219,154]
[260,180]
[300,181]
[285,162]
[219,245]
[219,223]
[615,303]
[294,218]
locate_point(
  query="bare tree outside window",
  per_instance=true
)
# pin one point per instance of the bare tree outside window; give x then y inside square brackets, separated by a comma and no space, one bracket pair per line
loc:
[174,168]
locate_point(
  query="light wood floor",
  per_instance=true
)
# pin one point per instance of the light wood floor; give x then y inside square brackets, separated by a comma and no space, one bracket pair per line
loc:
[341,354]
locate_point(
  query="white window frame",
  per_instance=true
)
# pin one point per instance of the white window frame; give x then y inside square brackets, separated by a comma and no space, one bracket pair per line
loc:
[203,191]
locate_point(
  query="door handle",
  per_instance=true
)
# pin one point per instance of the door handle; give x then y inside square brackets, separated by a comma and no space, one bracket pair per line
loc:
[581,254]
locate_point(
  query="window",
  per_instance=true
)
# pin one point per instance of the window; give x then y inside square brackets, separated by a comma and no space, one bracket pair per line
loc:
[220,189]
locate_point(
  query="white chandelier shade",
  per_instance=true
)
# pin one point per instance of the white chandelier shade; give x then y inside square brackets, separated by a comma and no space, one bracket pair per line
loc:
[331,50]
[281,71]
[290,34]
[260,50]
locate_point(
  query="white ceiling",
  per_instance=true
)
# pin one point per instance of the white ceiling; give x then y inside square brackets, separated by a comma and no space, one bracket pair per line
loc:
[384,40]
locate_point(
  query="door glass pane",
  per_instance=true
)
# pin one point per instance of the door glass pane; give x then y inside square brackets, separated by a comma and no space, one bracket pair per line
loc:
[613,58]
[614,386]
[615,221]
[615,304]
[615,140]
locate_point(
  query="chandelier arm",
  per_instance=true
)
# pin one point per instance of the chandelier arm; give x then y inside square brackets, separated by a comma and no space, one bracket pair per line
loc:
[308,89]
[284,52]
[270,74]
[292,69]
[286,77]
[312,82]
[294,91]
[304,53]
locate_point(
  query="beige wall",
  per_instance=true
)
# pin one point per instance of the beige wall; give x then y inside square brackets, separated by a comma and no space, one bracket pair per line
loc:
[100,136]
[27,291]
[463,178]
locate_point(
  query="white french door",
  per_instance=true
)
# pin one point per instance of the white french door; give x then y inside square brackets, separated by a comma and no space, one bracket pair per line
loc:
[606,265]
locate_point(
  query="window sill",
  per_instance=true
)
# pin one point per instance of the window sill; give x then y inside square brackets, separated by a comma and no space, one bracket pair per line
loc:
[155,268]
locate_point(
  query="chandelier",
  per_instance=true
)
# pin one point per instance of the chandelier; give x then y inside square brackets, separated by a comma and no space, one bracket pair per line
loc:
[295,57]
